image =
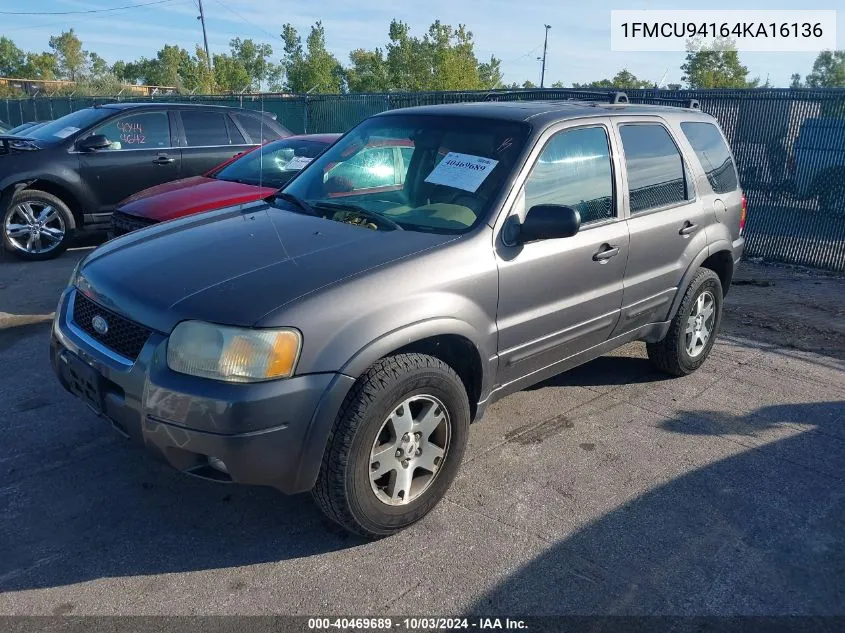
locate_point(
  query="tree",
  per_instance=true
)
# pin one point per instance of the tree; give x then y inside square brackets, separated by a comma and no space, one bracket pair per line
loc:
[368,72]
[795,81]
[314,68]
[12,58]
[71,58]
[98,66]
[490,73]
[255,60]
[443,59]
[40,66]
[828,70]
[623,79]
[716,66]
[558,84]
[230,74]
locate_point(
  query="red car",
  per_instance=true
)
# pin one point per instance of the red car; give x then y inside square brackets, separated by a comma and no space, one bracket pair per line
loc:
[245,178]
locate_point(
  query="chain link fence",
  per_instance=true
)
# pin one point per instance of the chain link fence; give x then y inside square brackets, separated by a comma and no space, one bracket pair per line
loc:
[789,147]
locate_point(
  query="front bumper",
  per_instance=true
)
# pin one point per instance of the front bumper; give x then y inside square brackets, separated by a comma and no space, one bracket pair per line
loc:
[270,433]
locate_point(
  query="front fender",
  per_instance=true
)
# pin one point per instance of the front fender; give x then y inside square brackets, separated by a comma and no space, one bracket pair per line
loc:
[413,332]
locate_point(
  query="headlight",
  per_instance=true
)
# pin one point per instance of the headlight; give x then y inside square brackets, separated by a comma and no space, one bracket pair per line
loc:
[72,280]
[233,354]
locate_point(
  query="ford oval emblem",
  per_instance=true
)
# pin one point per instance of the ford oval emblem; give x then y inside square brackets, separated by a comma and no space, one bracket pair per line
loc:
[100,325]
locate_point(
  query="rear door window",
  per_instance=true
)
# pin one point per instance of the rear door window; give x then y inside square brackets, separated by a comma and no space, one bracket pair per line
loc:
[257,128]
[143,130]
[656,175]
[713,154]
[204,129]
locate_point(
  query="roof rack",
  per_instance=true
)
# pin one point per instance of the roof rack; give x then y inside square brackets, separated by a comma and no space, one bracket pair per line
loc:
[692,104]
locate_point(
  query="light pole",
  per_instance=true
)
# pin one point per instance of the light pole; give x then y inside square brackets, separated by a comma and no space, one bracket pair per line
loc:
[545,46]
[201,18]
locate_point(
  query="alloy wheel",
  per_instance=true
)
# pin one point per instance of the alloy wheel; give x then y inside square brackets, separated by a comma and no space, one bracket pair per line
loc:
[34,227]
[700,323]
[409,450]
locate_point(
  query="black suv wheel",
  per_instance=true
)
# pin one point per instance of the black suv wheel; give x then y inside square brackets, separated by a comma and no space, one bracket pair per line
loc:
[396,445]
[37,225]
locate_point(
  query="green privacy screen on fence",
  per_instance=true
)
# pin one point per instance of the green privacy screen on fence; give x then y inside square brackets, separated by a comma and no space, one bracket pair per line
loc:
[789,147]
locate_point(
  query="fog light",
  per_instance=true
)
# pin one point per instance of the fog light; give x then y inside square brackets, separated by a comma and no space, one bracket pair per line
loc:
[217,464]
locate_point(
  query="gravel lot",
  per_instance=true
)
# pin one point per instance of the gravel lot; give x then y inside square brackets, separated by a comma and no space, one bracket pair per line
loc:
[606,490]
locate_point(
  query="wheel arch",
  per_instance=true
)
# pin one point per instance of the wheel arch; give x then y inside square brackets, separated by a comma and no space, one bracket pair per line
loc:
[53,188]
[718,257]
[451,340]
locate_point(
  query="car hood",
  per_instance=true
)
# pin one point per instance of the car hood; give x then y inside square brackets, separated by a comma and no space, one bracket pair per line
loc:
[233,266]
[190,195]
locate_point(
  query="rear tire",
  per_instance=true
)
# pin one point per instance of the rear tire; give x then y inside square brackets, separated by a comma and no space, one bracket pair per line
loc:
[37,225]
[685,346]
[372,481]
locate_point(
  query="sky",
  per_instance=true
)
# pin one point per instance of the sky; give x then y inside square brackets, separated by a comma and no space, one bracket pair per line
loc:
[512,30]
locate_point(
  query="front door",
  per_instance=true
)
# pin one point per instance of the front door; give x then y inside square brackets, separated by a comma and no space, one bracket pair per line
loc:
[667,222]
[141,155]
[211,138]
[562,296]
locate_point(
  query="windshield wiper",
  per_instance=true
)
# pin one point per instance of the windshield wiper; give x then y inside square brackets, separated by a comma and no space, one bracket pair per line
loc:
[297,201]
[354,208]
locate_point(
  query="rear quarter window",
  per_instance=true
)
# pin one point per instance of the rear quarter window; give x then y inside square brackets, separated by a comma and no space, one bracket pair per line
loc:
[258,128]
[713,154]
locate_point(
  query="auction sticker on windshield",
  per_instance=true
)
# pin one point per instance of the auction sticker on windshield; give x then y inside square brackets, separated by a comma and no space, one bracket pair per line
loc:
[297,163]
[462,171]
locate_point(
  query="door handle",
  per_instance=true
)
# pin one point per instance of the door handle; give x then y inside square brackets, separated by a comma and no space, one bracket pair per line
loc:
[605,252]
[688,228]
[163,160]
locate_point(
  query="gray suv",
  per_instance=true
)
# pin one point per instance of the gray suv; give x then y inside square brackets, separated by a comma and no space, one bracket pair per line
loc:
[340,337]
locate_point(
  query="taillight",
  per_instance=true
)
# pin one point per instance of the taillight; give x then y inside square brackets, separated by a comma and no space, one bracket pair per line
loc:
[742,214]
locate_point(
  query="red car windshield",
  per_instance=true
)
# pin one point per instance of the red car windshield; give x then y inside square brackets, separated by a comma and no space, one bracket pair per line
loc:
[274,164]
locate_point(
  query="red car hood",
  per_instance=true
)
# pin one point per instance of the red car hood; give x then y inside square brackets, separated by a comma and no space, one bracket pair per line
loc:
[190,195]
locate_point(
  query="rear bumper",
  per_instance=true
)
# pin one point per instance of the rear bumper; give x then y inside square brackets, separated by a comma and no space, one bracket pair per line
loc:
[738,249]
[272,433]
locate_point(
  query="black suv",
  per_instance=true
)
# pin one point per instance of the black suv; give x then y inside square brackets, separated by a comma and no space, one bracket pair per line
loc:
[69,174]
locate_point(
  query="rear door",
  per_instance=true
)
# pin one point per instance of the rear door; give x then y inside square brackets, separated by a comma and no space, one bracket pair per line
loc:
[143,153]
[667,223]
[210,138]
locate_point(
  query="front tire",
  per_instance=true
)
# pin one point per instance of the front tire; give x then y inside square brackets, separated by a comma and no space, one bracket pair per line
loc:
[37,225]
[395,447]
[693,330]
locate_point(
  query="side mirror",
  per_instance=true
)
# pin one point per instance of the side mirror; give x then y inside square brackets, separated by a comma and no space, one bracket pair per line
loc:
[93,143]
[548,222]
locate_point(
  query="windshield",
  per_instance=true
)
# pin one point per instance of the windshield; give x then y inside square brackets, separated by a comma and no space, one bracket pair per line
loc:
[61,128]
[421,172]
[274,164]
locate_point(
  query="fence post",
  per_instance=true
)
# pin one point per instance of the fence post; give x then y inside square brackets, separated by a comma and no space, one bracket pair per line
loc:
[305,116]
[8,112]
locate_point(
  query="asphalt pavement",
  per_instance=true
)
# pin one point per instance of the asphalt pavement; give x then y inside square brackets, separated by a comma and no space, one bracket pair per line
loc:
[607,490]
